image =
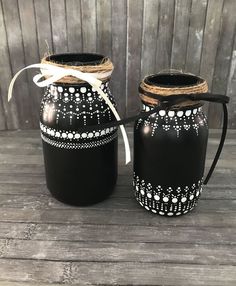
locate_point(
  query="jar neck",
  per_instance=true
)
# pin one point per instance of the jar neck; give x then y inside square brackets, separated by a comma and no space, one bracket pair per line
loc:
[160,85]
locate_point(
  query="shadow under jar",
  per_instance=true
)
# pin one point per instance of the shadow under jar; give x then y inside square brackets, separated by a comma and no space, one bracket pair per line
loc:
[170,148]
[81,167]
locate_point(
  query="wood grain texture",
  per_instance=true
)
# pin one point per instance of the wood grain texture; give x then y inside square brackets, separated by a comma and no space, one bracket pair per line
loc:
[104,27]
[210,39]
[73,20]
[134,44]
[222,62]
[231,87]
[141,37]
[180,34]
[119,29]
[17,61]
[165,34]
[9,115]
[44,29]
[195,36]
[59,25]
[31,51]
[117,252]
[89,25]
[115,242]
[116,273]
[149,37]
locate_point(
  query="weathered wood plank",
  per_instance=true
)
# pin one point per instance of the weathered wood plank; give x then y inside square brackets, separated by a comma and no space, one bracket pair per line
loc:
[103,12]
[73,20]
[231,86]
[13,230]
[210,39]
[20,133]
[44,29]
[180,34]
[123,204]
[30,44]
[109,273]
[59,26]
[121,233]
[149,37]
[89,28]
[119,37]
[17,61]
[21,159]
[14,283]
[222,61]
[211,192]
[210,42]
[8,111]
[134,43]
[117,252]
[30,169]
[115,217]
[195,36]
[165,33]
[31,271]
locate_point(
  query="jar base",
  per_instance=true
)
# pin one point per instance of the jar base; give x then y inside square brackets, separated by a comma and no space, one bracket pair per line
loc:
[81,202]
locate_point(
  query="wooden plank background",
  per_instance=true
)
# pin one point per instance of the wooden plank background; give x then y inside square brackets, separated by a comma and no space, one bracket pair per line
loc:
[141,37]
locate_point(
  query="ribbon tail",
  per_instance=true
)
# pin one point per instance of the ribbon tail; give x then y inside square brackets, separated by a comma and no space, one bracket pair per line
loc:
[122,128]
[126,142]
[10,89]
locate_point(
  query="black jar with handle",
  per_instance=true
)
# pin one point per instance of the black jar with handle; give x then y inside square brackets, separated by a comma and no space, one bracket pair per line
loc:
[170,144]
[80,166]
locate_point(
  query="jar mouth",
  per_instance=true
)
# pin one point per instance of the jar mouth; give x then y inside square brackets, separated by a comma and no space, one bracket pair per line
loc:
[173,80]
[77,59]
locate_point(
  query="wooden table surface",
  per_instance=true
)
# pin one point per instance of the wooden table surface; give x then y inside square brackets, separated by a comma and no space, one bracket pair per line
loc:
[116,242]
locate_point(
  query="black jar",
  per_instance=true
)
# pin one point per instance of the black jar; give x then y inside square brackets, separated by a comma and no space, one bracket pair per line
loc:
[170,148]
[81,167]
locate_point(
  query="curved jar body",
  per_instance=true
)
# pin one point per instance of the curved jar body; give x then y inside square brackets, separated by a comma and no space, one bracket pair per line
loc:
[169,159]
[81,167]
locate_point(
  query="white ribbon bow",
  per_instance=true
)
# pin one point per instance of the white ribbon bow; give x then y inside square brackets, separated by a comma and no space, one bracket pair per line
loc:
[55,73]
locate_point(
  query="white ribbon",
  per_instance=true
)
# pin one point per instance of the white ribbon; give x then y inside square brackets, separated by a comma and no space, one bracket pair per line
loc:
[55,73]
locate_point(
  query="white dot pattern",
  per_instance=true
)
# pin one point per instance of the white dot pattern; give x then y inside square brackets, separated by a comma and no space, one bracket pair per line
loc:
[65,109]
[179,120]
[167,201]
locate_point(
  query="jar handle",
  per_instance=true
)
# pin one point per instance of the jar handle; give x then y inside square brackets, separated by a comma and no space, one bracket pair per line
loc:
[220,147]
[218,99]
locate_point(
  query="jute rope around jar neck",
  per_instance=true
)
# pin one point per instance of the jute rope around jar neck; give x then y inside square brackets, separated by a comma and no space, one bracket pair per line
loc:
[201,87]
[105,66]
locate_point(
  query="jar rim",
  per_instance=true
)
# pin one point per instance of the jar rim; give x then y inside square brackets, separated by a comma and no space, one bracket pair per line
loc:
[173,80]
[76,59]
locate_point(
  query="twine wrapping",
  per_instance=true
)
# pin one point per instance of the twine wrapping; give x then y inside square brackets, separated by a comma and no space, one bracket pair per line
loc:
[102,70]
[161,90]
